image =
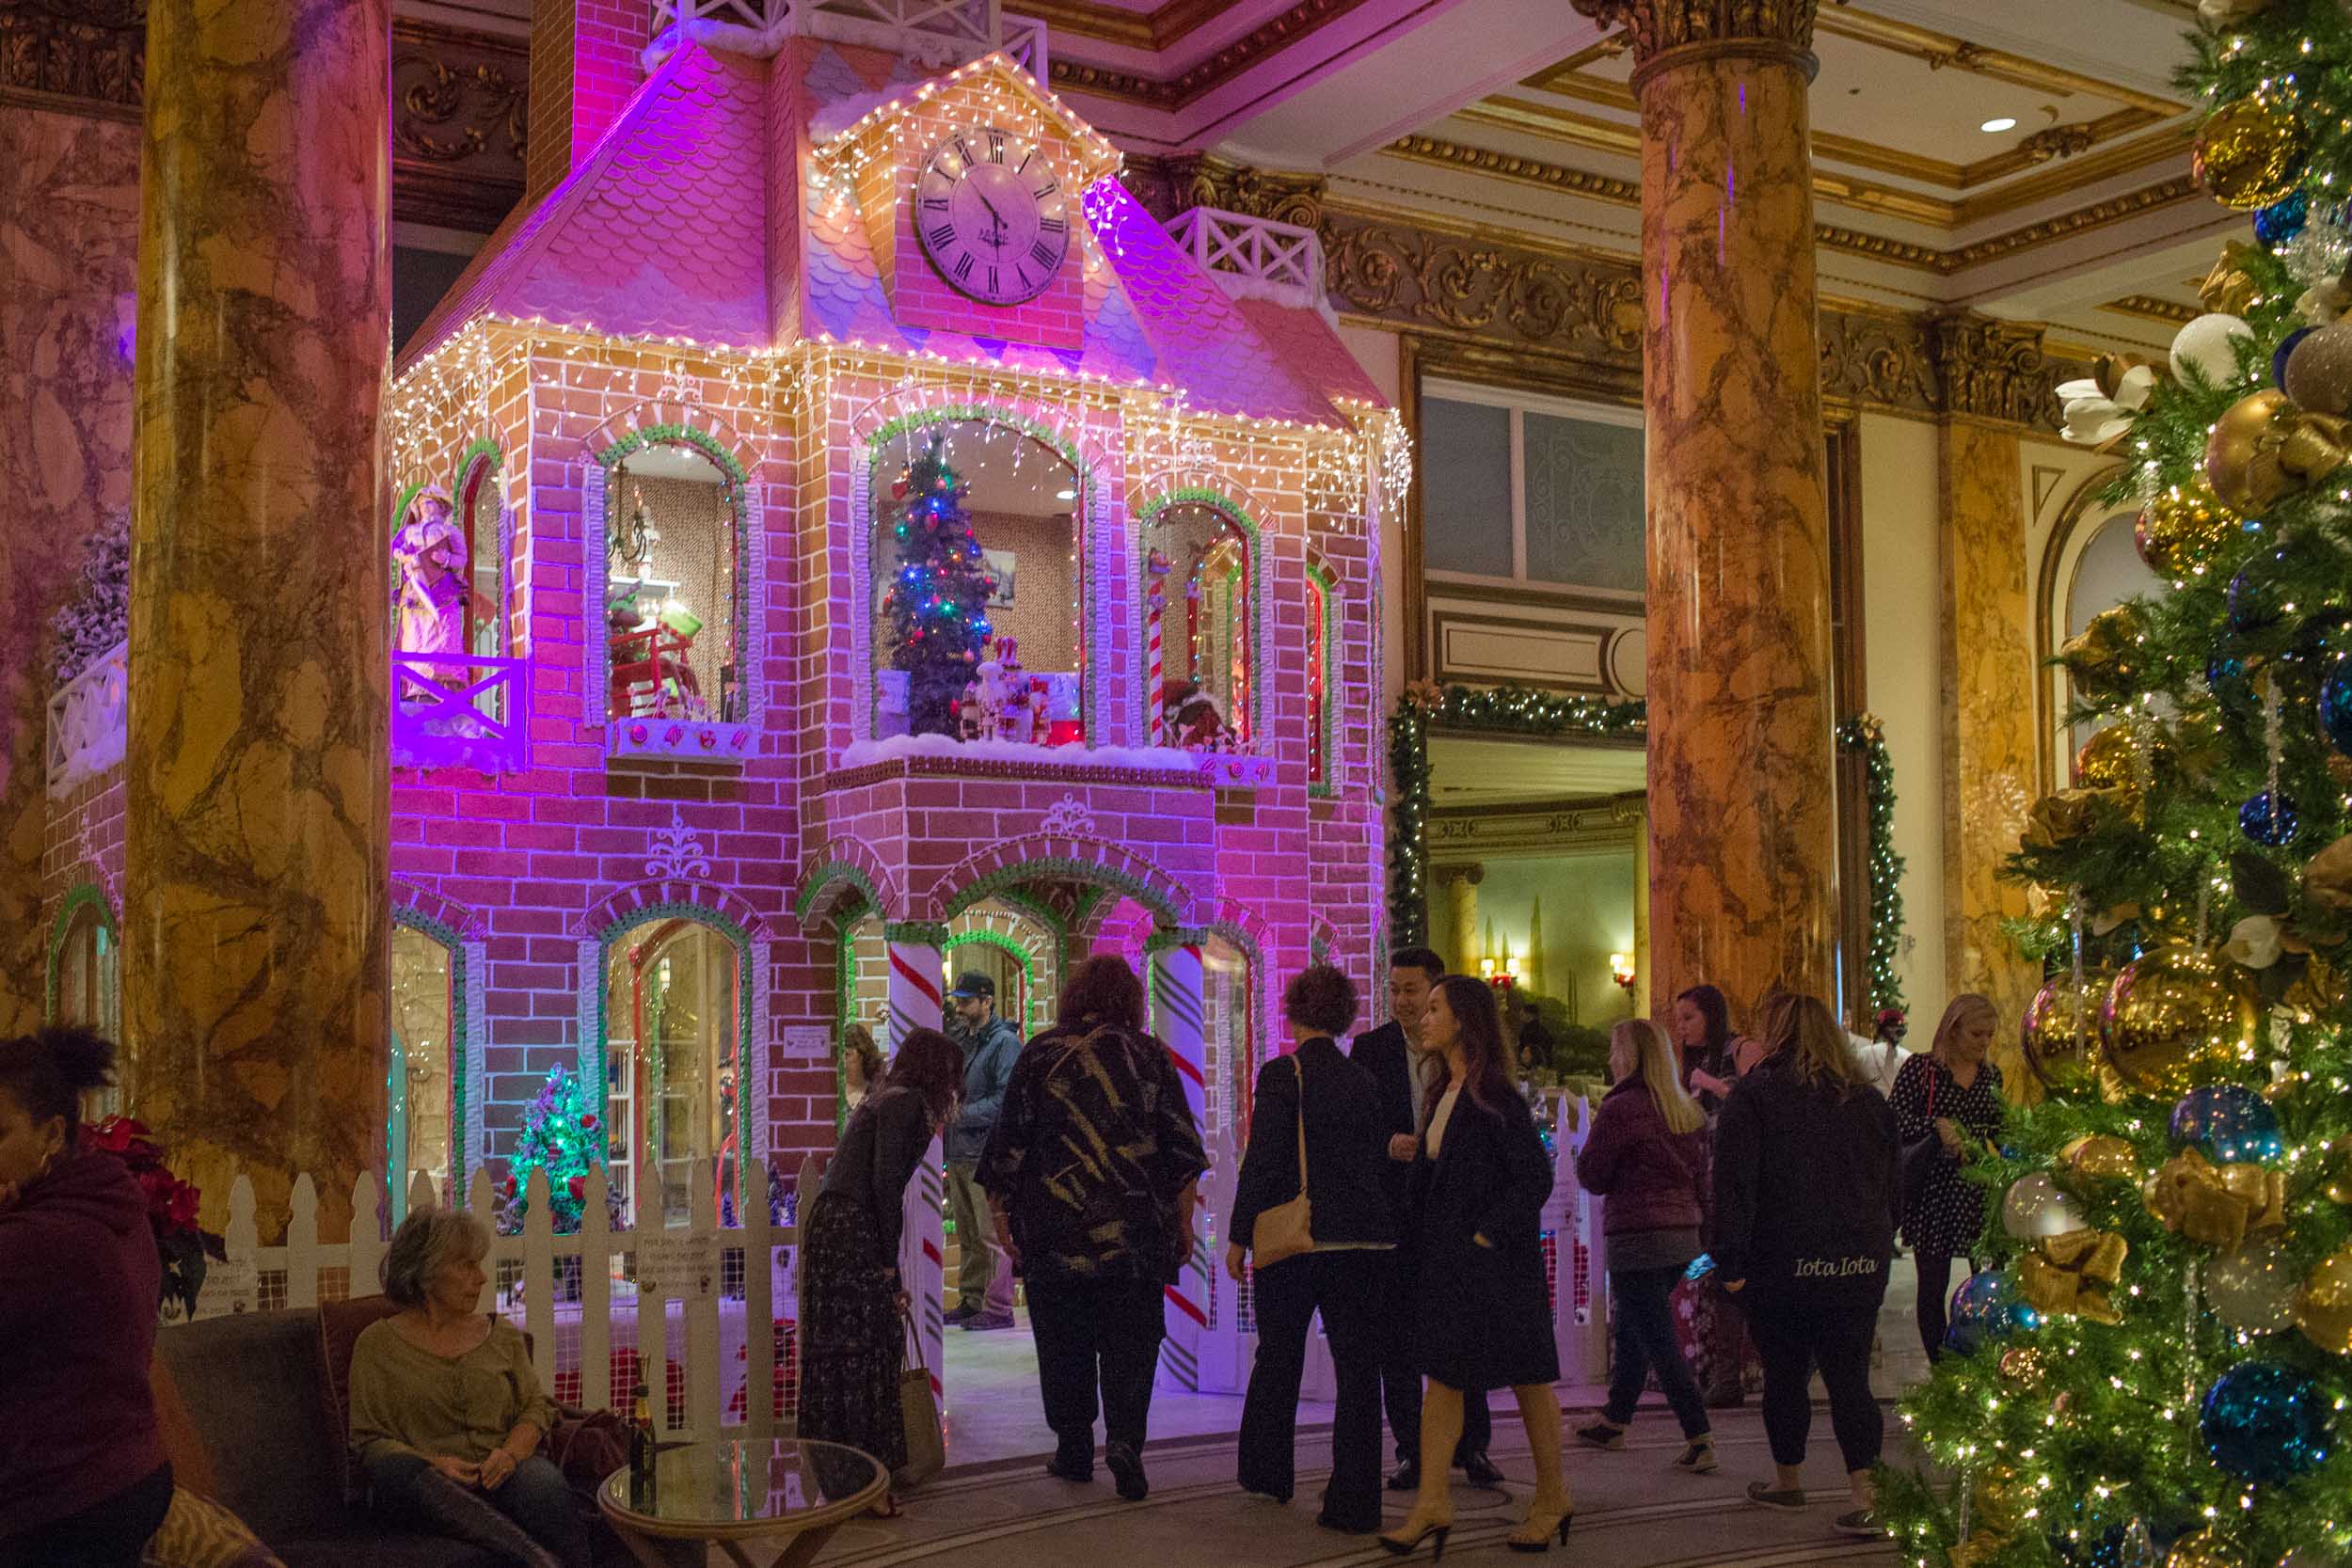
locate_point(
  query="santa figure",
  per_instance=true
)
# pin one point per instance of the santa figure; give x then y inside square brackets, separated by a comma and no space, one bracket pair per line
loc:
[1194,721]
[1014,720]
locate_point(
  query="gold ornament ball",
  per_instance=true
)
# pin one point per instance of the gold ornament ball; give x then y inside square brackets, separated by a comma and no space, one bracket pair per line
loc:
[2060,1033]
[2249,153]
[2103,657]
[2177,1018]
[2323,1308]
[2203,1550]
[2001,1496]
[2180,531]
[2120,756]
[2319,371]
[2026,1366]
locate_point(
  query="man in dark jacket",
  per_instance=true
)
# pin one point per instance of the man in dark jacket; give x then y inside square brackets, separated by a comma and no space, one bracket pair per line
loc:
[1387,1053]
[983,1274]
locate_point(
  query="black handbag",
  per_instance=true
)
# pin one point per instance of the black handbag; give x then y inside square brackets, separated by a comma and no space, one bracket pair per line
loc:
[1920,1155]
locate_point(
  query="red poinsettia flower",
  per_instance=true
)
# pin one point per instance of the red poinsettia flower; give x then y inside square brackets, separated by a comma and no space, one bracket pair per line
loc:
[589,1122]
[183,1209]
[115,1135]
[578,1186]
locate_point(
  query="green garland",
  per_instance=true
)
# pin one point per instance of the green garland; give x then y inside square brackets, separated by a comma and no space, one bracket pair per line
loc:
[1865,735]
[1516,710]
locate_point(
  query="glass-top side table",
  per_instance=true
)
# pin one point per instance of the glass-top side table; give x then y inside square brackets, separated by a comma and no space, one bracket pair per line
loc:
[788,1490]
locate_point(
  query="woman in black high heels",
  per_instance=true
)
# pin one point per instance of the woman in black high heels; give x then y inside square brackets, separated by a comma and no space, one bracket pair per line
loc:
[1482,1308]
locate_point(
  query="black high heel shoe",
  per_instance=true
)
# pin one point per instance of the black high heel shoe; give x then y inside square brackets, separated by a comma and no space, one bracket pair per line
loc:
[1543,1542]
[1433,1534]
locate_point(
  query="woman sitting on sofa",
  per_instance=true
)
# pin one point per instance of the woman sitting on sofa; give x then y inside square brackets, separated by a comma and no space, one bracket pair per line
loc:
[446,1412]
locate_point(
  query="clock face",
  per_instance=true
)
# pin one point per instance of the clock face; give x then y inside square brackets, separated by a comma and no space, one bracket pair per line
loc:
[991,217]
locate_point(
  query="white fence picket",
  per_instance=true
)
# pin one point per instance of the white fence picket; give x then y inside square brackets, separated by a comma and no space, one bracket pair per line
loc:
[367,1252]
[302,1245]
[539,1278]
[704,1370]
[596,1297]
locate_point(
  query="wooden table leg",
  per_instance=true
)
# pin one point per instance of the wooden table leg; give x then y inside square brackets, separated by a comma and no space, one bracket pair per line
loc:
[660,1553]
[803,1548]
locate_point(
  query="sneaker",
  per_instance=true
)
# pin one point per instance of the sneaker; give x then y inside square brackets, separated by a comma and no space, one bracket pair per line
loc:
[1697,1456]
[1860,1521]
[982,1322]
[1126,1467]
[1763,1495]
[960,1314]
[1601,1435]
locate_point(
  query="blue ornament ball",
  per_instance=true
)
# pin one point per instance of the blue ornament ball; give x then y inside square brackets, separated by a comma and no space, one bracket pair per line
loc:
[2280,222]
[2284,352]
[1987,1307]
[2232,1123]
[2254,601]
[2267,1422]
[2268,819]
[2335,706]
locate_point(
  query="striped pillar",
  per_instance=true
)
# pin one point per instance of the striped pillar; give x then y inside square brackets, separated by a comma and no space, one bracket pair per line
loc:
[1179,1012]
[918,1001]
[1156,680]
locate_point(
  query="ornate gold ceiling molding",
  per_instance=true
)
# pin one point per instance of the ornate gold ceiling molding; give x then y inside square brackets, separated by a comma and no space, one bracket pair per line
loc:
[1942,50]
[1664,31]
[2149,307]
[1853,242]
[1516,298]
[1269,38]
[1157,30]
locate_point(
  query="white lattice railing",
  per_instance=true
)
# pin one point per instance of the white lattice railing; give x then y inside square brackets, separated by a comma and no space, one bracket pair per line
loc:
[90,720]
[939,32]
[461,711]
[1254,256]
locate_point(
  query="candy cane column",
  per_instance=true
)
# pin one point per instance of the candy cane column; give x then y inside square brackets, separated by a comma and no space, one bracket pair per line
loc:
[1155,602]
[1179,1012]
[918,1001]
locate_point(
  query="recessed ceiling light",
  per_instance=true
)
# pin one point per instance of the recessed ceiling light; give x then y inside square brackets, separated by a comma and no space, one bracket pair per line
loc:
[2001,122]
[1065,495]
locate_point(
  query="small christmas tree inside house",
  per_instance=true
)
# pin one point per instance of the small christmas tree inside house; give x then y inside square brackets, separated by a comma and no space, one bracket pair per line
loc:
[2157,1370]
[565,1134]
[936,602]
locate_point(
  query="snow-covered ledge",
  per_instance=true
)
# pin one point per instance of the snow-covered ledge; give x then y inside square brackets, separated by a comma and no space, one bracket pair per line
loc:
[90,720]
[1255,258]
[1218,770]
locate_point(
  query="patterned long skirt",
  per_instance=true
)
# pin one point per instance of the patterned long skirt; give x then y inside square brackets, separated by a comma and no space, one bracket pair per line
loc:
[852,1340]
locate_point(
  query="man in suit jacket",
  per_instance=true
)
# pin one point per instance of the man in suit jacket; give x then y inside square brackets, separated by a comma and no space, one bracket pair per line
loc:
[1387,1053]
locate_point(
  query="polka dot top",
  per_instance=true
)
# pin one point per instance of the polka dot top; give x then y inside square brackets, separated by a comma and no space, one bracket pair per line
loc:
[1946,1214]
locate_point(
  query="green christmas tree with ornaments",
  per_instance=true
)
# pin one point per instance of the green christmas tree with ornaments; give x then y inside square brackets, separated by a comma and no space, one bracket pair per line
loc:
[937,601]
[565,1134]
[2157,1372]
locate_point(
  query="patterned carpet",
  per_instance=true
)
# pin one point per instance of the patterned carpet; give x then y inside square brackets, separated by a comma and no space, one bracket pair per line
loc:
[1632,1512]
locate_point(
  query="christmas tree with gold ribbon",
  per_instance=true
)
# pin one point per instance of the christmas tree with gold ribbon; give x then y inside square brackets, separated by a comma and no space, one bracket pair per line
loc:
[2157,1372]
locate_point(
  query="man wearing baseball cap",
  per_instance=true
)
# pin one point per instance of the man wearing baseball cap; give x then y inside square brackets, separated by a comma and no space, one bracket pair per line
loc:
[984,1275]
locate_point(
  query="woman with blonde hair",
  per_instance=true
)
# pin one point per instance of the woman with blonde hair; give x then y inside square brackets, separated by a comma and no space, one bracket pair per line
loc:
[1804,1230]
[1948,1104]
[1647,1156]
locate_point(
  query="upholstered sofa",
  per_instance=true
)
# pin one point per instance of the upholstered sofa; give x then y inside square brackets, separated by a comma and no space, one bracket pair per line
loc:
[249,1421]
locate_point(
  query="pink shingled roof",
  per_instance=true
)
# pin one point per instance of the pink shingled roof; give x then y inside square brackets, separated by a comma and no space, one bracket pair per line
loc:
[659,232]
[1312,350]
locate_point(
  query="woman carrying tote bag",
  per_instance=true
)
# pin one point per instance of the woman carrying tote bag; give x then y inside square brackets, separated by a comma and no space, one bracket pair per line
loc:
[1317,1146]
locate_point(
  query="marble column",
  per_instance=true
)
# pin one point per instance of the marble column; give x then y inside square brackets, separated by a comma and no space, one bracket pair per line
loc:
[1743,890]
[255,924]
[1987,668]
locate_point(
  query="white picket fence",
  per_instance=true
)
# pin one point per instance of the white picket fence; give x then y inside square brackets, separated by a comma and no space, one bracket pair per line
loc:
[694,1309]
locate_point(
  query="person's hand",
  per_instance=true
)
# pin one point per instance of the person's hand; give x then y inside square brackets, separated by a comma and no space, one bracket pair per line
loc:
[1733,1287]
[458,1470]
[1950,1134]
[1708,1080]
[903,1303]
[1235,1259]
[495,1471]
[1005,1244]
[1481,1240]
[1403,1146]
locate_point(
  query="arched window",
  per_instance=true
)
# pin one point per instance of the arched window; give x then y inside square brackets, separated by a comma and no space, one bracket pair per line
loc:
[1017,607]
[422,1113]
[2107,571]
[1322,687]
[1200,627]
[487,547]
[676,607]
[676,1022]
[84,981]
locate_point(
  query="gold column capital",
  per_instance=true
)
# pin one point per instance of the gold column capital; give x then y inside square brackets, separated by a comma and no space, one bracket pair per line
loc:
[1993,370]
[1666,33]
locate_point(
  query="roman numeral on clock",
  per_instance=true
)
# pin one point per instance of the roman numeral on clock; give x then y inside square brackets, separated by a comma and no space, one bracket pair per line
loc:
[963,268]
[1053,226]
[943,233]
[992,280]
[1041,253]
[1046,189]
[995,147]
[934,203]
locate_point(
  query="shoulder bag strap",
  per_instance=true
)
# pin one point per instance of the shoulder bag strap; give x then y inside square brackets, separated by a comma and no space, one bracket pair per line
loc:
[1298,1069]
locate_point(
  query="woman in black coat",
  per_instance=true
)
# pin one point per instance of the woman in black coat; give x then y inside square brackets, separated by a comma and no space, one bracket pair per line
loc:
[1481,1306]
[1338,1105]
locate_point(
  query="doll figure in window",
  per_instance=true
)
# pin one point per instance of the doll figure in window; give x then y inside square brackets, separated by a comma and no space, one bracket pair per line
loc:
[1194,721]
[651,649]
[1012,706]
[436,602]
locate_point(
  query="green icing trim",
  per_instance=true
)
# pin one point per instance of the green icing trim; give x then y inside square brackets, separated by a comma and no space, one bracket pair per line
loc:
[824,877]
[924,933]
[1076,870]
[83,896]
[683,434]
[1201,495]
[459,1039]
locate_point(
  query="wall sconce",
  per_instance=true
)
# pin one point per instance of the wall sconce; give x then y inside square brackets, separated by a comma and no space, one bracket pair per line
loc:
[1501,973]
[1621,970]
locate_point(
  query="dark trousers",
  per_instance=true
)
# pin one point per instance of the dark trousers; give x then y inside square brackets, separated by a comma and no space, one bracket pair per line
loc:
[1343,1287]
[535,1500]
[1400,1379]
[1644,1334]
[1794,1337]
[1091,1335]
[1935,1291]
[110,1534]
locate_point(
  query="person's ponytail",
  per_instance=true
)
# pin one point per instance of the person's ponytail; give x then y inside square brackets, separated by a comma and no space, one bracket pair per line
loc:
[47,1073]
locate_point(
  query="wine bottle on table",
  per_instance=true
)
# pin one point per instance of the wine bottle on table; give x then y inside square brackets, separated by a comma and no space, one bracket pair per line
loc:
[641,1448]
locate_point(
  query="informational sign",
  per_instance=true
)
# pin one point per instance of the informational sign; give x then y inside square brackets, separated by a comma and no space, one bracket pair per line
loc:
[678,1264]
[230,1286]
[811,1042]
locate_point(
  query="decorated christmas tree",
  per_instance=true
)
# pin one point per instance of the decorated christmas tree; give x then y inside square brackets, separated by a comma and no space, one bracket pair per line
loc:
[937,601]
[565,1134]
[2157,1368]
